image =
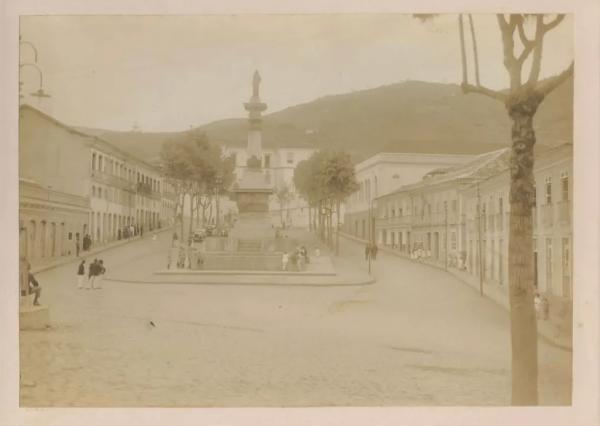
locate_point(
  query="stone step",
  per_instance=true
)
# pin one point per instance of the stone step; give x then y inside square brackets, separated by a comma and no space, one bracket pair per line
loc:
[249,245]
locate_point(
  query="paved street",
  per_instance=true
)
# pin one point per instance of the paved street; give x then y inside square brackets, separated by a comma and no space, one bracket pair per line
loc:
[415,337]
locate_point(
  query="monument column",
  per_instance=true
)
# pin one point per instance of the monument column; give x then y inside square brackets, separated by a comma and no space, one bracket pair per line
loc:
[255,108]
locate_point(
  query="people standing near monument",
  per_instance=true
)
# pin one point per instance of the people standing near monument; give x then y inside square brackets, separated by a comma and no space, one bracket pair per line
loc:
[80,274]
[284,261]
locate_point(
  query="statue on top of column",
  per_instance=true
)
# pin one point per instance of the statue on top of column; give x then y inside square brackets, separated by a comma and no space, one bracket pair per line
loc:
[255,84]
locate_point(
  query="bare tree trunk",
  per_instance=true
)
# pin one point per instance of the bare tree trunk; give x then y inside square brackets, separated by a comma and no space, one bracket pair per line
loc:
[181,203]
[337,229]
[520,252]
[191,219]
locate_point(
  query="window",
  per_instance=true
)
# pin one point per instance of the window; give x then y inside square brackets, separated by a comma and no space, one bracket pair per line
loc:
[93,191]
[548,264]
[454,206]
[534,201]
[566,268]
[267,160]
[100,162]
[94,161]
[564,186]
[453,241]
[548,187]
[290,157]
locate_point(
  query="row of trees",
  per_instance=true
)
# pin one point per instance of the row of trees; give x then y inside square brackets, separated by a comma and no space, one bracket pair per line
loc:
[325,180]
[197,171]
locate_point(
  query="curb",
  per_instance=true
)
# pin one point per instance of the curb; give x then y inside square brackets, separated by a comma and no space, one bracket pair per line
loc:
[542,334]
[66,261]
[262,284]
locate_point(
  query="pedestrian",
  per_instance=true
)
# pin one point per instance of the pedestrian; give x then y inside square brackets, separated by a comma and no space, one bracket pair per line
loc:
[374,251]
[34,288]
[92,274]
[317,252]
[131,231]
[80,274]
[284,261]
[100,270]
[367,251]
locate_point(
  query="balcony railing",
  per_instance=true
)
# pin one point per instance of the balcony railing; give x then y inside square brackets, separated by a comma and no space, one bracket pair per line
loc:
[112,180]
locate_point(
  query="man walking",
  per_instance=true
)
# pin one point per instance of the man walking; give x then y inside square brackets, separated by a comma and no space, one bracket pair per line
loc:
[92,274]
[374,251]
[100,270]
[80,274]
[367,251]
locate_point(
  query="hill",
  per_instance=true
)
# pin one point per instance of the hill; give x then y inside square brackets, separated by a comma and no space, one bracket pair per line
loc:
[412,116]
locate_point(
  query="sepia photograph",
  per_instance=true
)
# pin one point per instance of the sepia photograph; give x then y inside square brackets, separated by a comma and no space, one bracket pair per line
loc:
[296,210]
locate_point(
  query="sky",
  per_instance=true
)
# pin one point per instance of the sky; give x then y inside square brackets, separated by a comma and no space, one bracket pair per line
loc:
[167,73]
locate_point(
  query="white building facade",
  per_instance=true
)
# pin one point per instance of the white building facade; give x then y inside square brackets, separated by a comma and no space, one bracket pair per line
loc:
[382,174]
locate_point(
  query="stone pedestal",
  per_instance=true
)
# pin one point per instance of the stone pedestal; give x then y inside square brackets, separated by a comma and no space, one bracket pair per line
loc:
[34,318]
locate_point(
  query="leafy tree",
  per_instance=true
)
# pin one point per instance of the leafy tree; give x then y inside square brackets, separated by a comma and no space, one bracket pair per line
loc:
[325,180]
[196,167]
[521,99]
[338,181]
[284,195]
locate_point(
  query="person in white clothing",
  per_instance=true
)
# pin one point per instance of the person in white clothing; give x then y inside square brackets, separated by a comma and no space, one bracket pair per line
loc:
[284,261]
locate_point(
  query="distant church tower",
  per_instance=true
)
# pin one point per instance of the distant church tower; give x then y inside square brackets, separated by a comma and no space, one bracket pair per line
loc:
[255,107]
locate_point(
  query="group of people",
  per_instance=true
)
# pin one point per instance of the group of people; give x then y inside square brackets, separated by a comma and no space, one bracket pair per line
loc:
[130,231]
[371,251]
[296,260]
[86,244]
[95,271]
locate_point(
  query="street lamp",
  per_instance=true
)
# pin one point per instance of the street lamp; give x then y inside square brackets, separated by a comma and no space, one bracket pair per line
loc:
[40,92]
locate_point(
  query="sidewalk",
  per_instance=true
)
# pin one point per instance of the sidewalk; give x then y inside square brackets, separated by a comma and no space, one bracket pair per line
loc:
[546,330]
[37,267]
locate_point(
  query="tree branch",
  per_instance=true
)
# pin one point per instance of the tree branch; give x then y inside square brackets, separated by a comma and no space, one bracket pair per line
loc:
[527,44]
[508,45]
[534,73]
[548,85]
[494,94]
[475,56]
[463,54]
[550,25]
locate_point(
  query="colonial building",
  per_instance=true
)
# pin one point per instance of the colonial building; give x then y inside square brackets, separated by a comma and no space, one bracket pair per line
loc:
[73,184]
[459,217]
[383,173]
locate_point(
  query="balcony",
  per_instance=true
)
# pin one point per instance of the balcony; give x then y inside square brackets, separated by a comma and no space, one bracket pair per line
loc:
[111,180]
[564,212]
[547,215]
